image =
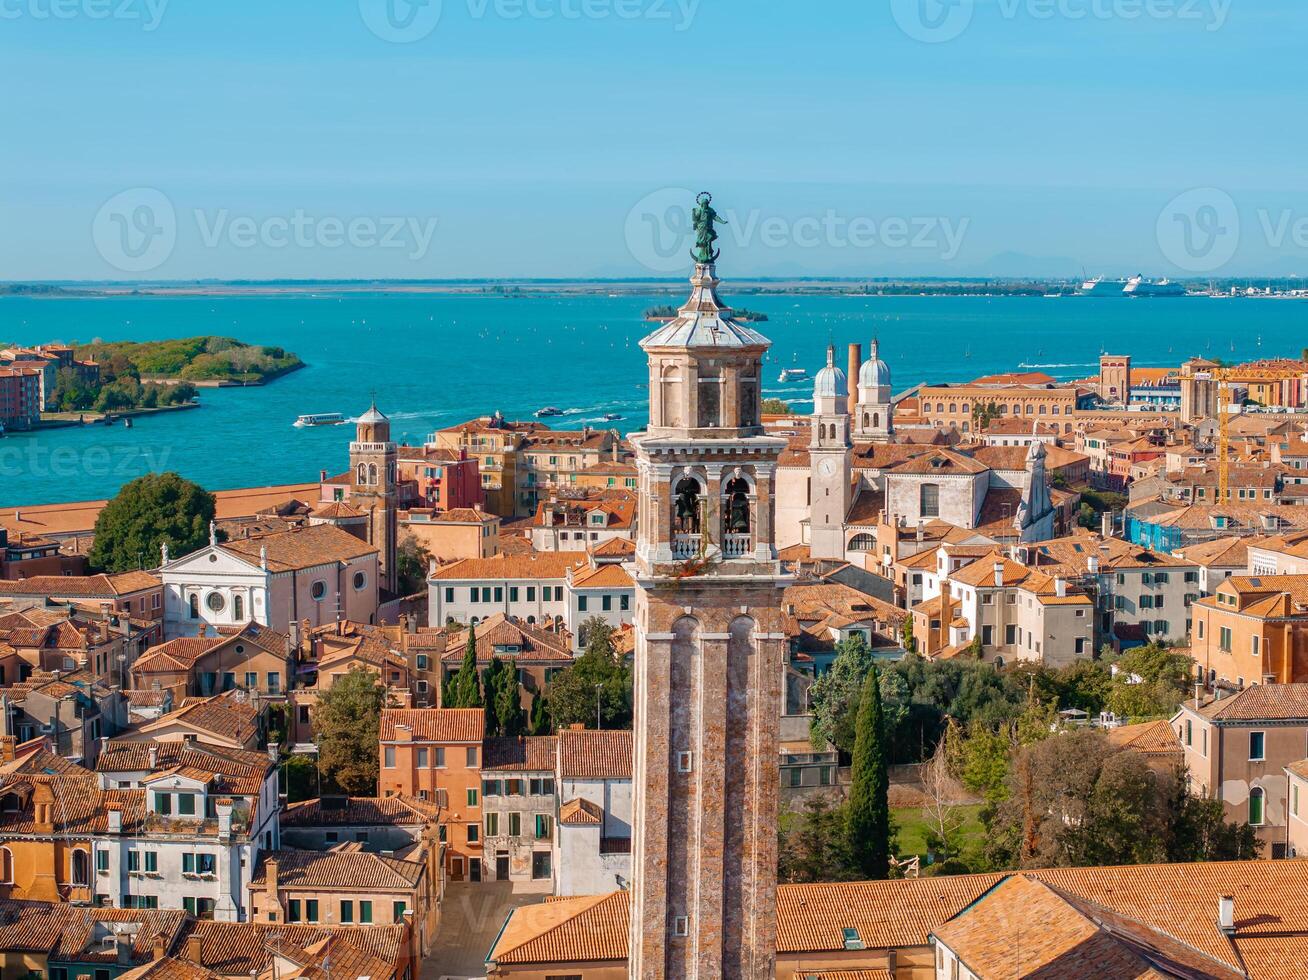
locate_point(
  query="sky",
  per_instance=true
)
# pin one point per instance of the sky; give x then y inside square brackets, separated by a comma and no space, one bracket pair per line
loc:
[264,139]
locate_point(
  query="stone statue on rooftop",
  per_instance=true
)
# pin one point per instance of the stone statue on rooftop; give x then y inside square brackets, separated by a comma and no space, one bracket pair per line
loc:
[705,217]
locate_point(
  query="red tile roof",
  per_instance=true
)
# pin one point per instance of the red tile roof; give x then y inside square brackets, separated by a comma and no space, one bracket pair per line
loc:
[435,724]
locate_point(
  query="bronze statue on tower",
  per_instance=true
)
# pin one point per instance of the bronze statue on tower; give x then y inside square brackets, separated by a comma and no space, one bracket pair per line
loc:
[704,218]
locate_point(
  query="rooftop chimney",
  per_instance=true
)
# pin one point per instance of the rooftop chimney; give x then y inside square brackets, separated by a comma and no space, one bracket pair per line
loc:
[999,574]
[194,948]
[1226,914]
[1106,525]
[1092,564]
[1060,588]
[154,756]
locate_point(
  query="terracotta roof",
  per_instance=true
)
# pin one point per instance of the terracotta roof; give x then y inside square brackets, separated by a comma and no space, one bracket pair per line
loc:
[602,577]
[1024,927]
[237,949]
[228,715]
[1149,738]
[614,548]
[595,755]
[337,510]
[299,548]
[170,968]
[580,813]
[81,586]
[435,724]
[938,462]
[587,929]
[359,811]
[532,754]
[465,515]
[1262,702]
[537,565]
[175,655]
[506,637]
[331,870]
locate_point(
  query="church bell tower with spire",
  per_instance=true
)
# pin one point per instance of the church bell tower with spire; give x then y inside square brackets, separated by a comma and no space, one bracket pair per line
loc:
[709,648]
[373,489]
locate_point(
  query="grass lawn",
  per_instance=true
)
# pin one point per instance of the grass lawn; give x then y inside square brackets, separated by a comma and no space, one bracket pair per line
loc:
[911,826]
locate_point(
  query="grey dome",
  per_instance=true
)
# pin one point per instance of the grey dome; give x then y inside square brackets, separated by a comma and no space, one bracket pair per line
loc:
[830,381]
[874,372]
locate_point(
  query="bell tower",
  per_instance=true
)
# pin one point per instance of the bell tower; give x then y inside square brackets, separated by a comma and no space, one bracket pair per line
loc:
[709,648]
[874,414]
[829,460]
[373,488]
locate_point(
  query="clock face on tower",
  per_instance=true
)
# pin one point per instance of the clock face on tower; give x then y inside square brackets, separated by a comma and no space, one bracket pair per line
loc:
[827,467]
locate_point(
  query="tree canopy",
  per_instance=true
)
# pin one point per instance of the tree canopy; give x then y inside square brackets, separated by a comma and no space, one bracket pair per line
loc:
[600,676]
[151,510]
[869,808]
[347,723]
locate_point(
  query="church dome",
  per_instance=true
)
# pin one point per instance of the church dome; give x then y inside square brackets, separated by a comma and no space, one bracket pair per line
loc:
[874,372]
[372,416]
[830,381]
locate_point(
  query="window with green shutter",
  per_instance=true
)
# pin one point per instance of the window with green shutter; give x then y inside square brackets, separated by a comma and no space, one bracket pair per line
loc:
[365,912]
[347,911]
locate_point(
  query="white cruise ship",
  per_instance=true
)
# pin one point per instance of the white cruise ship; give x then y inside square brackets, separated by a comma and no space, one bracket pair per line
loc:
[1103,287]
[1141,288]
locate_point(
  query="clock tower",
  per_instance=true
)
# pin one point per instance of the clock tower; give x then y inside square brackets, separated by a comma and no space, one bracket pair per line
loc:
[710,642]
[829,461]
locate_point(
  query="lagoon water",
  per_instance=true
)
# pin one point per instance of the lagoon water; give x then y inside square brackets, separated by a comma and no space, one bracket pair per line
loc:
[436,359]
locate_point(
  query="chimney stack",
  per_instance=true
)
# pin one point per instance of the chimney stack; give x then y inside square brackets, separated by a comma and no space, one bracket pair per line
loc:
[154,757]
[1226,914]
[1060,588]
[1092,564]
[999,575]
[855,365]
[1106,525]
[194,949]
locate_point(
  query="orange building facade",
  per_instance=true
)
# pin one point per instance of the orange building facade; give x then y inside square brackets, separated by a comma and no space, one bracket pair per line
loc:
[1253,630]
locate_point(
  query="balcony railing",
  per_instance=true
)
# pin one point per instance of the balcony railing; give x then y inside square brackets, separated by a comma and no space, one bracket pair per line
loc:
[735,545]
[685,545]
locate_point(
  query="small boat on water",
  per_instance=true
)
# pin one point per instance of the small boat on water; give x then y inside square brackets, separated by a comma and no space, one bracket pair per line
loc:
[325,418]
[793,374]
[548,412]
[613,417]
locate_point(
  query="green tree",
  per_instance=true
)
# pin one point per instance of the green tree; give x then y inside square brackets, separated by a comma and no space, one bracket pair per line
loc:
[835,695]
[539,721]
[71,393]
[868,809]
[146,513]
[504,700]
[906,636]
[301,778]
[463,690]
[814,845]
[983,415]
[775,406]
[597,677]
[412,560]
[347,722]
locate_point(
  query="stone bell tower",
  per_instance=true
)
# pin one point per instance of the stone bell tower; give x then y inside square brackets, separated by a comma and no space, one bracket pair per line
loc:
[373,489]
[709,649]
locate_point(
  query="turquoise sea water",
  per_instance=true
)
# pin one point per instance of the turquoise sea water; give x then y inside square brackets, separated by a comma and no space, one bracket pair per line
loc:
[437,359]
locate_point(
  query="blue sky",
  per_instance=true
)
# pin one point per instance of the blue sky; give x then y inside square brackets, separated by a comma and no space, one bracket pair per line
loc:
[558,138]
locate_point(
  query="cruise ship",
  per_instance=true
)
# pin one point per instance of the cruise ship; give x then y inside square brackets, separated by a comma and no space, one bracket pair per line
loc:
[1103,287]
[1141,288]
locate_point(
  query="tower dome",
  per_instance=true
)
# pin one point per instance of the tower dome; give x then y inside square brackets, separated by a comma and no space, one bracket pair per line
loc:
[830,381]
[373,426]
[874,372]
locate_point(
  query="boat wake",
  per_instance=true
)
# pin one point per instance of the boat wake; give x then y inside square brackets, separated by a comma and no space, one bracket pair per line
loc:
[1030,367]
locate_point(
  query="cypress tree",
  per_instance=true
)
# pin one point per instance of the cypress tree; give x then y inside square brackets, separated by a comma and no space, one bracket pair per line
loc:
[465,686]
[491,682]
[868,812]
[540,715]
[508,701]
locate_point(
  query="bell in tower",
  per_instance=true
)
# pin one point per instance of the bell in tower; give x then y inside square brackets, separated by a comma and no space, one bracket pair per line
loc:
[373,488]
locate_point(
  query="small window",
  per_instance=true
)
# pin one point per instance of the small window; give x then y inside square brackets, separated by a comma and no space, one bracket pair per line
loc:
[1257,746]
[1257,797]
[681,925]
[318,591]
[360,581]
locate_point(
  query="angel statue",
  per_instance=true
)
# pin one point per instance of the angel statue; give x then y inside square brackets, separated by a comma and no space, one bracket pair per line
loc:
[705,218]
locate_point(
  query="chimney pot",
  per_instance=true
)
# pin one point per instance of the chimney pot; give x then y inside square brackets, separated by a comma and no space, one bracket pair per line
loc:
[999,574]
